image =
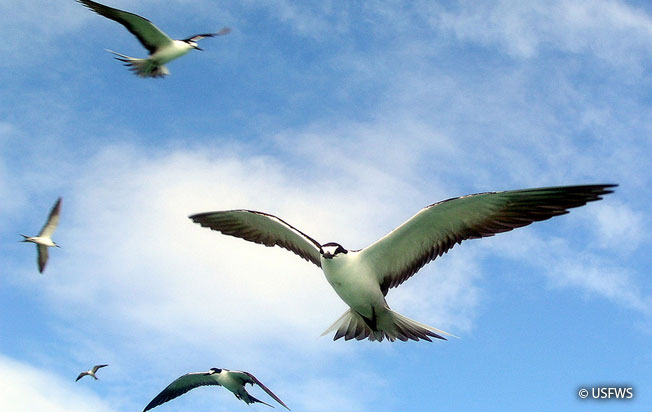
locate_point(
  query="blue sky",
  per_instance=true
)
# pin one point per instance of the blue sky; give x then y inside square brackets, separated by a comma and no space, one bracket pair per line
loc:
[344,120]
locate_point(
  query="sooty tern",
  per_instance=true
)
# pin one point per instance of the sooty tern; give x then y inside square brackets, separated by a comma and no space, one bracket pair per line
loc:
[162,48]
[90,372]
[234,381]
[363,277]
[44,239]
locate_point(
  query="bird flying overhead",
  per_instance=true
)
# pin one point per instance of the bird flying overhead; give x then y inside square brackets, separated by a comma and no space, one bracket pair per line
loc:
[234,381]
[363,277]
[44,239]
[90,372]
[161,47]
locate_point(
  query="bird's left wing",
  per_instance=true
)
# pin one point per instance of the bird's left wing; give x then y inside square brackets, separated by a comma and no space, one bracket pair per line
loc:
[96,367]
[42,252]
[198,37]
[81,375]
[180,386]
[53,220]
[150,36]
[438,227]
[263,228]
[247,377]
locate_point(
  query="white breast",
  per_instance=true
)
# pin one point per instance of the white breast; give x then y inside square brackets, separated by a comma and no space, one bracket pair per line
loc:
[177,49]
[225,379]
[354,282]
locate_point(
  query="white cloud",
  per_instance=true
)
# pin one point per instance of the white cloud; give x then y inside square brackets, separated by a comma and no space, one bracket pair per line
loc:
[601,277]
[152,268]
[26,388]
[612,30]
[619,227]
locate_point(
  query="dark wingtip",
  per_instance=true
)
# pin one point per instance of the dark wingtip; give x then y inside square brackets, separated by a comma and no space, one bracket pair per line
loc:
[225,30]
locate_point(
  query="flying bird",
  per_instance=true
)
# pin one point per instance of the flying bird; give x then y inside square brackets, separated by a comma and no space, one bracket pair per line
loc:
[90,372]
[363,277]
[234,381]
[44,239]
[161,47]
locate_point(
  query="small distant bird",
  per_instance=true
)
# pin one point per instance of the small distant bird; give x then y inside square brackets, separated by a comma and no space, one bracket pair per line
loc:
[44,239]
[362,278]
[90,372]
[162,48]
[234,381]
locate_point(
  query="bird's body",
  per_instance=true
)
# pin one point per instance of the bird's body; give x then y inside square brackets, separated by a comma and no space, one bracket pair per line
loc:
[360,292]
[40,240]
[91,372]
[162,49]
[44,239]
[175,50]
[234,381]
[362,278]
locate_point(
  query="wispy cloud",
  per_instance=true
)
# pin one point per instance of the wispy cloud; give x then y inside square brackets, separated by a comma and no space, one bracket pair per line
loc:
[611,30]
[576,265]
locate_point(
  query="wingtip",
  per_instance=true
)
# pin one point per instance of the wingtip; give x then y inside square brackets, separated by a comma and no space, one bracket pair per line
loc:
[607,186]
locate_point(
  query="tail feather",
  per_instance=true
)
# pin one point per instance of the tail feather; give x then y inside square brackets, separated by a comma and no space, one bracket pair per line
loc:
[393,325]
[249,398]
[142,67]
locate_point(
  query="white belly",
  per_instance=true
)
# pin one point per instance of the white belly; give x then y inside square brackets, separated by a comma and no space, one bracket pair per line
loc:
[226,380]
[177,49]
[354,283]
[45,241]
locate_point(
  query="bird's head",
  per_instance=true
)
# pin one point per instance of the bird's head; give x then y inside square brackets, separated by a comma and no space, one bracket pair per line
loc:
[194,45]
[332,249]
[215,370]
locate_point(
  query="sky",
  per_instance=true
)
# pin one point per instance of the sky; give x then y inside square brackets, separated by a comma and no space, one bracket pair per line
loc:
[344,119]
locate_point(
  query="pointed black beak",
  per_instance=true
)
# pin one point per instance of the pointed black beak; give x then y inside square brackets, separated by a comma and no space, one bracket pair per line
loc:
[199,48]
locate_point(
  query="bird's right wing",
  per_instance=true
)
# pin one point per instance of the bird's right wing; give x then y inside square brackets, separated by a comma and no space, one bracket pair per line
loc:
[180,386]
[247,377]
[42,257]
[53,221]
[81,375]
[259,227]
[147,33]
[438,227]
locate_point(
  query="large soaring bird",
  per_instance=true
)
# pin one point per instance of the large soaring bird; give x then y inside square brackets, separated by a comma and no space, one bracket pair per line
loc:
[363,277]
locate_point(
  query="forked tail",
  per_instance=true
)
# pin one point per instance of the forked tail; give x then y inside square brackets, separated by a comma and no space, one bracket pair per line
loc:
[142,67]
[248,399]
[392,326]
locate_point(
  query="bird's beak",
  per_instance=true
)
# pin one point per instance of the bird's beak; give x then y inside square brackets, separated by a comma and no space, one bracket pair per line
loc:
[199,48]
